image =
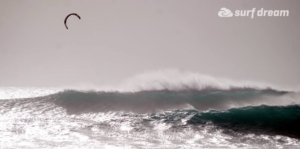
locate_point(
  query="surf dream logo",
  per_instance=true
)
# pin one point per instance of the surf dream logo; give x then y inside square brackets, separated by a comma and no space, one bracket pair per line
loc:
[225,12]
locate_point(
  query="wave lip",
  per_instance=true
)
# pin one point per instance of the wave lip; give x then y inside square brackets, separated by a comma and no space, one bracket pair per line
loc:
[167,79]
[177,80]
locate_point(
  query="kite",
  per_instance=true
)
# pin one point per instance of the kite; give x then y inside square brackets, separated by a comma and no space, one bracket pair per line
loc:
[69,16]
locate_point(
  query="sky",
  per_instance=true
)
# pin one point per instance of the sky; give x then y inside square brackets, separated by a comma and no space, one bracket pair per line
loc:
[117,39]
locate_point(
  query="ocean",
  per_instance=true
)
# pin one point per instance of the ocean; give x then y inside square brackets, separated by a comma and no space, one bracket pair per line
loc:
[188,117]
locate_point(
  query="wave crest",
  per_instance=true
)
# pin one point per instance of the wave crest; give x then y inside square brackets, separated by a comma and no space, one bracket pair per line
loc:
[176,80]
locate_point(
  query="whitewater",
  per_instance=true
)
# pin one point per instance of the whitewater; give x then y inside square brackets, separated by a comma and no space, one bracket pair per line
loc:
[160,109]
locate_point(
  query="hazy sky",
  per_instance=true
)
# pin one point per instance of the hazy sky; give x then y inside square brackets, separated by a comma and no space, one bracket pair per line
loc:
[116,39]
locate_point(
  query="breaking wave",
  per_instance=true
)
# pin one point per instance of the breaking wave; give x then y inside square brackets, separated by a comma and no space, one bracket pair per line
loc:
[184,108]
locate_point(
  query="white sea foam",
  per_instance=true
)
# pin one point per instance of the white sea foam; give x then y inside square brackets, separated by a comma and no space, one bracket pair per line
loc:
[14,92]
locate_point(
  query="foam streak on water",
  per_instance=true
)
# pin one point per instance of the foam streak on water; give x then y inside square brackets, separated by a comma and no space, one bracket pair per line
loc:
[14,93]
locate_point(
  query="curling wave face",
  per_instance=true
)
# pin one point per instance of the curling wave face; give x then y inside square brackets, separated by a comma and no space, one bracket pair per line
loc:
[155,101]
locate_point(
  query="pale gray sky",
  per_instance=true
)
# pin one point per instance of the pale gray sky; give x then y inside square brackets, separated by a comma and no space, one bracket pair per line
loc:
[116,39]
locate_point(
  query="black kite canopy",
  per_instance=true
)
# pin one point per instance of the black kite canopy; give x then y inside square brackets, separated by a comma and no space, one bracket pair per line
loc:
[75,14]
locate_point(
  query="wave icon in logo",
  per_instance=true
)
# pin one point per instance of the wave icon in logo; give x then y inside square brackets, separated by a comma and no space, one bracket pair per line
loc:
[224,12]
